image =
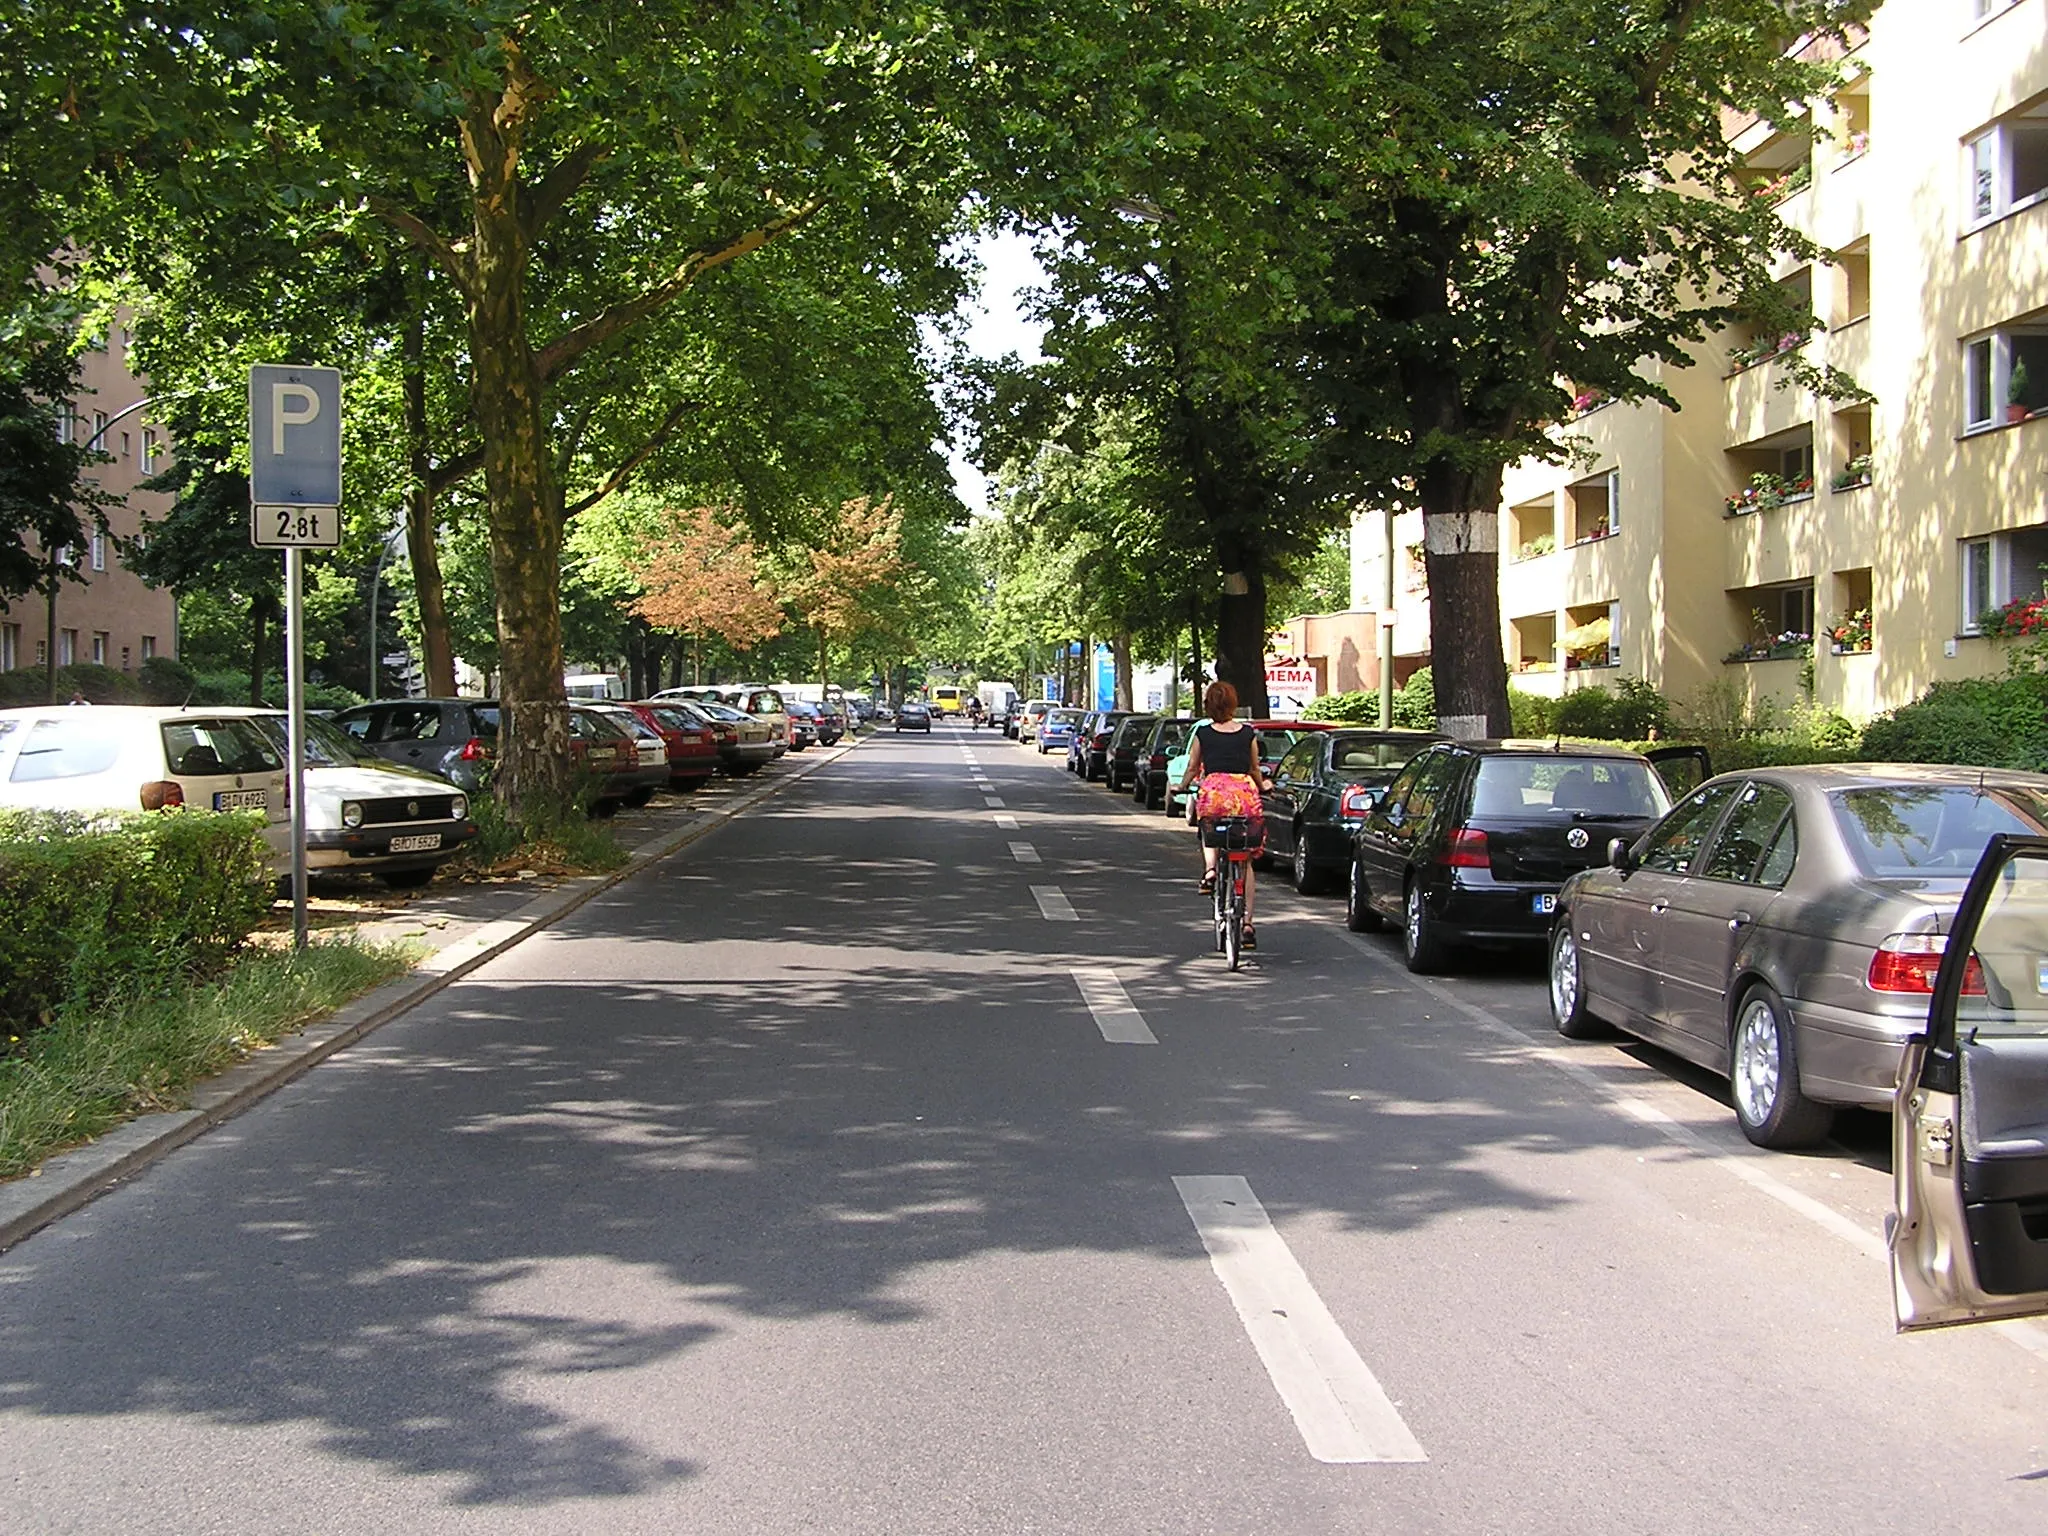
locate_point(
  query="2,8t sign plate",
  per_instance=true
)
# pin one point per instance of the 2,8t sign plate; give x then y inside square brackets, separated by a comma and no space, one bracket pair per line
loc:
[274,527]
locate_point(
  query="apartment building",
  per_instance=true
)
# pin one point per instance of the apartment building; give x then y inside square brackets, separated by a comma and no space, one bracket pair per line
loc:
[1891,542]
[113,618]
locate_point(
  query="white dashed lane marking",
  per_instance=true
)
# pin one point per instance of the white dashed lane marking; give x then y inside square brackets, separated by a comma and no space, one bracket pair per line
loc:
[1024,853]
[1007,823]
[1115,1014]
[1343,1413]
[994,802]
[1053,905]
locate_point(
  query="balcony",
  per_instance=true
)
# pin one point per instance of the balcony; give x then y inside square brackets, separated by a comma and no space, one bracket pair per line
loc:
[1754,407]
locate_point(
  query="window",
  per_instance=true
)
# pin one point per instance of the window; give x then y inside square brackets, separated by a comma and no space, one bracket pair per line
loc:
[1751,830]
[148,647]
[1998,570]
[2007,165]
[75,744]
[1977,584]
[99,551]
[1897,833]
[124,445]
[2005,377]
[67,424]
[67,647]
[1795,464]
[10,647]
[149,448]
[100,641]
[99,430]
[1671,844]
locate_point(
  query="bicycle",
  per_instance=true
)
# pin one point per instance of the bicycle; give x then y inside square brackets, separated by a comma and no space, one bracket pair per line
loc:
[1232,837]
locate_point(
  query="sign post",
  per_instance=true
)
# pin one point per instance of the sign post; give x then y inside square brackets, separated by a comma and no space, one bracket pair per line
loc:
[295,505]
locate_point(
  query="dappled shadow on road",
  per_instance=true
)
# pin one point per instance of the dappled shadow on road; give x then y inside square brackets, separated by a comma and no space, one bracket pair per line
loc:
[734,1098]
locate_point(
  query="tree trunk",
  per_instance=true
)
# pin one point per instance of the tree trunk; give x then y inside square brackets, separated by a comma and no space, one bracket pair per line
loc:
[1121,646]
[1461,553]
[1241,636]
[421,532]
[1195,657]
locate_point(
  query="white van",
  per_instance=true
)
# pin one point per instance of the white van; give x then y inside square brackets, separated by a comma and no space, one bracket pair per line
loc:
[587,686]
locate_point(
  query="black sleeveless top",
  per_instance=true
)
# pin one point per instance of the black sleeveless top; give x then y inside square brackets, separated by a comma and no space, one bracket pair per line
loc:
[1225,751]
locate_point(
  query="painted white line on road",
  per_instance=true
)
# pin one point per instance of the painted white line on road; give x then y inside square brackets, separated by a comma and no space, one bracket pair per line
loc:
[1024,853]
[1007,823]
[1053,904]
[994,802]
[1343,1413]
[1115,1014]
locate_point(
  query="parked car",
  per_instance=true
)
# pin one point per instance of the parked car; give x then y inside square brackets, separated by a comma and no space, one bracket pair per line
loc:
[691,740]
[1094,748]
[1028,720]
[1782,928]
[914,715]
[1120,762]
[1276,739]
[803,724]
[453,739]
[1320,793]
[1168,736]
[369,815]
[134,757]
[1077,744]
[745,743]
[832,723]
[1472,840]
[647,770]
[764,704]
[1056,730]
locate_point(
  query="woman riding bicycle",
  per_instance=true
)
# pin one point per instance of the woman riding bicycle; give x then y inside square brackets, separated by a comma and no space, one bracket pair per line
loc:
[1224,756]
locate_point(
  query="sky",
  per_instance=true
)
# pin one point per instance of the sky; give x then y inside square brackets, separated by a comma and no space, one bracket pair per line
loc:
[995,327]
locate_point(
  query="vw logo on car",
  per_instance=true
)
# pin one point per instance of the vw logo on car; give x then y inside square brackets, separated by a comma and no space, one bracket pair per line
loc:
[1578,837]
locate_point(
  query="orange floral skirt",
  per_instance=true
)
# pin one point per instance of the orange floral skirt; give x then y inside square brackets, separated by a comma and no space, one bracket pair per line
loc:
[1222,795]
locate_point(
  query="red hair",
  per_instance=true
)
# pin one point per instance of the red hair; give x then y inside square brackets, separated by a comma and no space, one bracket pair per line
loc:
[1220,702]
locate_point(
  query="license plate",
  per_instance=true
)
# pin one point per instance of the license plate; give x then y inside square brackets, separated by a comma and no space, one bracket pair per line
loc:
[603,754]
[1543,905]
[241,800]
[423,843]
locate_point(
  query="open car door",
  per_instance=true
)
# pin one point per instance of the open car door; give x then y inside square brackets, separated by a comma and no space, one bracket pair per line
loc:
[1969,1230]
[1683,769]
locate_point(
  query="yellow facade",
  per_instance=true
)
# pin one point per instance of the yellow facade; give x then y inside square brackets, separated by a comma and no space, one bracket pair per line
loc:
[1927,181]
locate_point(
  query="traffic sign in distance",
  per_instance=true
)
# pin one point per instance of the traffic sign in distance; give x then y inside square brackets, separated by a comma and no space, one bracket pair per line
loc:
[295,527]
[294,436]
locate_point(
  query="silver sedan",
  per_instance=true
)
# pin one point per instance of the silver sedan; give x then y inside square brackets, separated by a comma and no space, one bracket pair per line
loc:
[1782,927]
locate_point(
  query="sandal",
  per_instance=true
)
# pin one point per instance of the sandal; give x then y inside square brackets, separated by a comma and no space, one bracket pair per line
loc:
[1207,884]
[1251,937]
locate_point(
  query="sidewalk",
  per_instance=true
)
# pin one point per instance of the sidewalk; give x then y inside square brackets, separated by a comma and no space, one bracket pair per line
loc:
[461,923]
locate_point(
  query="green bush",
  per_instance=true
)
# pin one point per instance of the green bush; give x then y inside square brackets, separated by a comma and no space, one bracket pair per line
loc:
[100,685]
[165,681]
[1533,714]
[1632,709]
[89,906]
[1348,707]
[1987,722]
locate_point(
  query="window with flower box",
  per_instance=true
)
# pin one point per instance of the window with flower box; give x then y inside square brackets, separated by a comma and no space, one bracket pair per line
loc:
[1593,507]
[1777,622]
[1849,630]
[2005,376]
[2001,582]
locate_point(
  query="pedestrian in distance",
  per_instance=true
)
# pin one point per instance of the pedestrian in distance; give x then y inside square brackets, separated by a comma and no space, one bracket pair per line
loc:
[1223,764]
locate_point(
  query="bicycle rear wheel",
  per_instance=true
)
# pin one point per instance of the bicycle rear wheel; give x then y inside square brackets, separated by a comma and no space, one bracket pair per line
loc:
[1233,928]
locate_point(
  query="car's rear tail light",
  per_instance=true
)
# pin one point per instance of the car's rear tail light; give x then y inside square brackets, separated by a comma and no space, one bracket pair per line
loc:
[1907,962]
[1355,804]
[1467,849]
[163,795]
[473,750]
[1158,759]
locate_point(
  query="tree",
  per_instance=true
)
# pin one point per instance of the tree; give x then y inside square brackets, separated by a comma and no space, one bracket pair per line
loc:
[856,551]
[703,577]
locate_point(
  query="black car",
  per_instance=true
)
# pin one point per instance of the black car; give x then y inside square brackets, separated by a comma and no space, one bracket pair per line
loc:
[1168,736]
[1121,765]
[914,715]
[1091,742]
[1472,839]
[832,723]
[803,724]
[453,739]
[1319,793]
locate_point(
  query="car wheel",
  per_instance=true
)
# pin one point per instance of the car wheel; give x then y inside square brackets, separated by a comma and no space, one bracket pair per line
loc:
[406,879]
[1359,916]
[1568,988]
[1763,1077]
[1307,878]
[1420,942]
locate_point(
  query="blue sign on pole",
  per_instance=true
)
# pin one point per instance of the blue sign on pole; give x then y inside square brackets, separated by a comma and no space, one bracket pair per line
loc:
[294,435]
[1105,677]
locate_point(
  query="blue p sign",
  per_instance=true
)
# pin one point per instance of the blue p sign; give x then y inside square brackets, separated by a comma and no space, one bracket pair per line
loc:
[294,435]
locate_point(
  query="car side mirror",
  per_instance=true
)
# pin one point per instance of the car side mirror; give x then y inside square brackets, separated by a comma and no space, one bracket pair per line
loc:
[1621,855]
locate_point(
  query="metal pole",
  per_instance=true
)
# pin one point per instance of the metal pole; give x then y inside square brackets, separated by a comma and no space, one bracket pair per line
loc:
[375,658]
[295,728]
[1387,628]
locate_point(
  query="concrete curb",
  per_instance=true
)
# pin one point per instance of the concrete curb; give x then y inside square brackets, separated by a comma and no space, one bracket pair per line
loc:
[73,1179]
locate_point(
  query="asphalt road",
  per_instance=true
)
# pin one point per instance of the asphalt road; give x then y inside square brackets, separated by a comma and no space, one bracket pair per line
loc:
[800,1185]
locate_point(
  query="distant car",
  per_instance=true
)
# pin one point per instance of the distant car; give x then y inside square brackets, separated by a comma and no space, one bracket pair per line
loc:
[368,815]
[1120,762]
[1028,720]
[1167,736]
[453,739]
[1056,730]
[648,770]
[1095,753]
[1782,928]
[914,715]
[764,704]
[1472,840]
[832,723]
[1276,738]
[1320,793]
[745,744]
[133,757]
[691,740]
[1077,744]
[803,724]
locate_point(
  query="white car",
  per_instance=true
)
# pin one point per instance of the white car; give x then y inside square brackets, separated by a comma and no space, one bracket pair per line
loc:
[133,757]
[364,813]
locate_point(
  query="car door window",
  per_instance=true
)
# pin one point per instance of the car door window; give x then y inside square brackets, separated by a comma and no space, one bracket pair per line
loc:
[357,725]
[1393,804]
[1674,842]
[1297,764]
[407,722]
[1431,786]
[1752,829]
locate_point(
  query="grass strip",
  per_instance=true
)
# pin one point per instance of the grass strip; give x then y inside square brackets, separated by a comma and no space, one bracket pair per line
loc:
[89,1070]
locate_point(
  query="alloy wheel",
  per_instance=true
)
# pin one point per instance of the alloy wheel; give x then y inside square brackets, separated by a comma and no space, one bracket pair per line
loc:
[1564,976]
[1756,1067]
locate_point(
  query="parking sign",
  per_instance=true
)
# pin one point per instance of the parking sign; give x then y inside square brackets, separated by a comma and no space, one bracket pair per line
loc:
[294,435]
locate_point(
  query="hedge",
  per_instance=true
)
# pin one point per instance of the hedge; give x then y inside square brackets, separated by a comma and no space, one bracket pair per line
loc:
[1986,722]
[93,906]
